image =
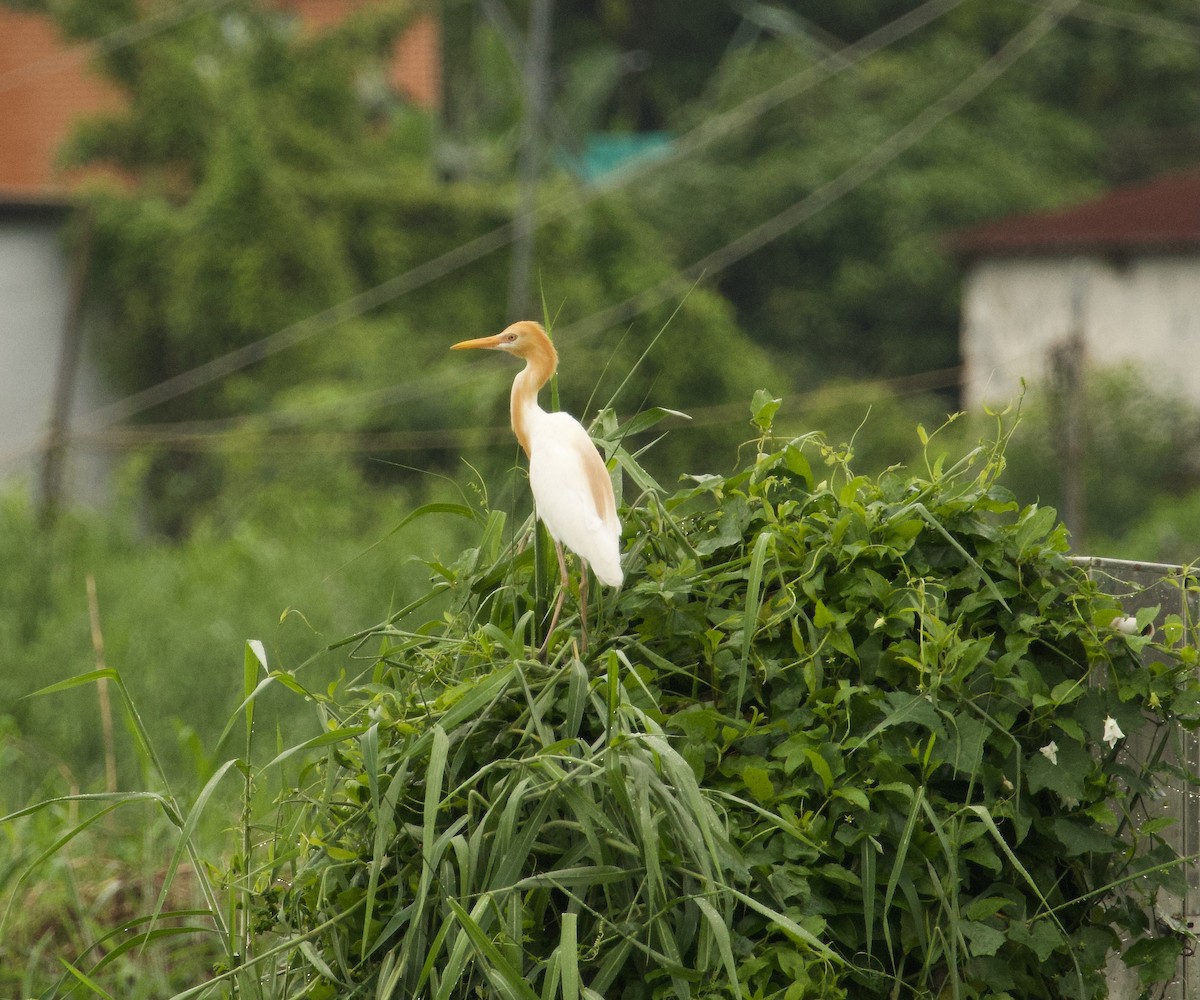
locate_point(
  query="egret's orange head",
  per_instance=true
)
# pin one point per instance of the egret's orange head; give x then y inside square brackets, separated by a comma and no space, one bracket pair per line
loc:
[524,338]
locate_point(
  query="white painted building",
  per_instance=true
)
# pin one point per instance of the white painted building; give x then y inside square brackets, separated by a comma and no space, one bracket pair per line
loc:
[35,292]
[1122,274]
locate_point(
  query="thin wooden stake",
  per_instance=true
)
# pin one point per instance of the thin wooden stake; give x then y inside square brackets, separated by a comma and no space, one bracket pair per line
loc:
[106,726]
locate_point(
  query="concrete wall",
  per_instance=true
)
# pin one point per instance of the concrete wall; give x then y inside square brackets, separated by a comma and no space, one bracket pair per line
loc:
[34,288]
[1015,310]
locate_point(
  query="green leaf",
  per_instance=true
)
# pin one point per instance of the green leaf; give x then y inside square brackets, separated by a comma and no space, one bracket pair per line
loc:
[750,615]
[1042,937]
[795,462]
[982,939]
[1156,959]
[1035,524]
[1080,838]
[1066,776]
[758,782]
[763,408]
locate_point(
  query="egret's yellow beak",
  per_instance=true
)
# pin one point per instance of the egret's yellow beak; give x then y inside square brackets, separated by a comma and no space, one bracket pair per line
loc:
[489,343]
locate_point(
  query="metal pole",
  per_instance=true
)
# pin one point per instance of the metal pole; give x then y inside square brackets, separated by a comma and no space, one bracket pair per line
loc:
[64,383]
[536,77]
[1068,360]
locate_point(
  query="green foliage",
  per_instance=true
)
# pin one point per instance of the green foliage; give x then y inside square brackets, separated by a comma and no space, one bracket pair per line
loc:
[871,269]
[1140,445]
[300,533]
[268,199]
[1166,532]
[837,736]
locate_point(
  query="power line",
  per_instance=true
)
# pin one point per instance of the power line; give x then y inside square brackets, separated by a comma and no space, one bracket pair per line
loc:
[191,439]
[851,178]
[501,236]
[841,185]
[1128,20]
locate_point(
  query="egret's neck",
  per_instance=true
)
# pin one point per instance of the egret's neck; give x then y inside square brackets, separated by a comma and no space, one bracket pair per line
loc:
[539,366]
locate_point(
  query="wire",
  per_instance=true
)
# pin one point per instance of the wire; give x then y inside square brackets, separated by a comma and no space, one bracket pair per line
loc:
[189,439]
[841,185]
[119,38]
[1127,20]
[773,228]
[501,236]
[719,259]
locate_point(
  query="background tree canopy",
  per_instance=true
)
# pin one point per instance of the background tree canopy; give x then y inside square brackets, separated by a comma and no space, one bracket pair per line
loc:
[270,181]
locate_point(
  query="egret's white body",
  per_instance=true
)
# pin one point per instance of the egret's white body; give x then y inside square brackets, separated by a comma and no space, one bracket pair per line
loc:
[572,492]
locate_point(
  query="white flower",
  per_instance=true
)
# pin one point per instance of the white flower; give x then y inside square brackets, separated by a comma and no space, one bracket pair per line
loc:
[1050,752]
[1112,732]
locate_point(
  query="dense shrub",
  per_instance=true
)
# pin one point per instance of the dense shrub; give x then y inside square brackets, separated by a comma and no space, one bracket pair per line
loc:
[836,736]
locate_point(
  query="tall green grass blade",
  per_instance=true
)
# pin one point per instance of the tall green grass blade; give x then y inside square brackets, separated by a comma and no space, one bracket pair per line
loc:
[869,850]
[114,949]
[80,680]
[899,873]
[568,955]
[720,932]
[457,509]
[551,976]
[754,580]
[433,792]
[95,988]
[786,924]
[385,825]
[255,657]
[186,846]
[332,737]
[502,976]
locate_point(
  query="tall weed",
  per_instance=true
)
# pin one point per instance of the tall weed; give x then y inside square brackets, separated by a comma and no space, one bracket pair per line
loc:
[838,736]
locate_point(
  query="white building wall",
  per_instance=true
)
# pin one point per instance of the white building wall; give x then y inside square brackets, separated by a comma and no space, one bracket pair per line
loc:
[34,290]
[1017,309]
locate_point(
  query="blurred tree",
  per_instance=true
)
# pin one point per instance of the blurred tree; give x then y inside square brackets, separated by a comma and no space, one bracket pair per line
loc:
[866,286]
[1141,447]
[265,181]
[256,184]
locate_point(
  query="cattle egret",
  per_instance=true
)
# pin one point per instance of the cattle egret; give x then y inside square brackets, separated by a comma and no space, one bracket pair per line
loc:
[572,493]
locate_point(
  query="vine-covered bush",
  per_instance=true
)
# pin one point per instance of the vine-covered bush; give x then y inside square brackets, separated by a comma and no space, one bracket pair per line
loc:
[836,737]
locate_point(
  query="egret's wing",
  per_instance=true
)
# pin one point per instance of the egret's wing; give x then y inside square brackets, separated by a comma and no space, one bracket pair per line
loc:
[573,493]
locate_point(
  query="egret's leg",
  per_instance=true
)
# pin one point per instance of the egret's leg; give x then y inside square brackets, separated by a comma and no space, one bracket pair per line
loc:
[583,605]
[565,583]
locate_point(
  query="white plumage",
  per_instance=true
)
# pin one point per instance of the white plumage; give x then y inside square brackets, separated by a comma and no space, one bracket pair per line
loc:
[572,492]
[562,463]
